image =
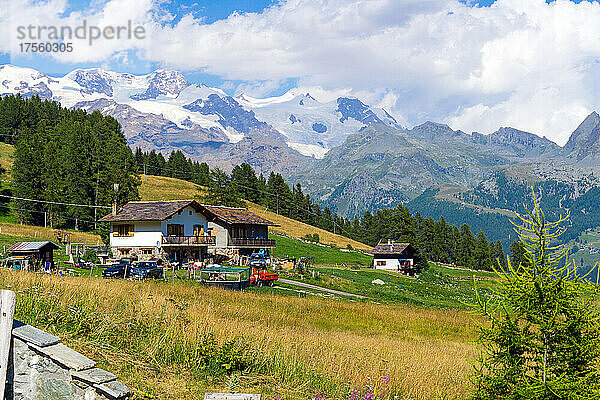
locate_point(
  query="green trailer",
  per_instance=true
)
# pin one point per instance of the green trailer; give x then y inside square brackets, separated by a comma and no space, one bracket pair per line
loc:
[226,277]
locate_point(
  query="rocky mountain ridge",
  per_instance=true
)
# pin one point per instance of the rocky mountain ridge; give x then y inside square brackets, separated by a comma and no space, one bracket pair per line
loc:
[381,165]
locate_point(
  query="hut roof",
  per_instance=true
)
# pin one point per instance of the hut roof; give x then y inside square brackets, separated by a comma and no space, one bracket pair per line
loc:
[32,247]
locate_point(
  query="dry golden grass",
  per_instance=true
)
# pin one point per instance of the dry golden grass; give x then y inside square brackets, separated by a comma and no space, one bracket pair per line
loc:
[41,233]
[162,188]
[424,352]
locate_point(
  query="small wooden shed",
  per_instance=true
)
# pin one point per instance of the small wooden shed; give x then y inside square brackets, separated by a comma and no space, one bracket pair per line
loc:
[40,254]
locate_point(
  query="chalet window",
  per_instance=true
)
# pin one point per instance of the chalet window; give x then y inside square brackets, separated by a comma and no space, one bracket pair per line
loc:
[123,230]
[381,263]
[190,212]
[175,230]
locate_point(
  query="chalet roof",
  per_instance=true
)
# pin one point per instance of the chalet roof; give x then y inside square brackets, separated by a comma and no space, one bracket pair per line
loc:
[236,215]
[391,248]
[161,210]
[31,246]
[149,210]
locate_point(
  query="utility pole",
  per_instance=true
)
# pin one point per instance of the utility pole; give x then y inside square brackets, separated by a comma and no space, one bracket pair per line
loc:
[114,207]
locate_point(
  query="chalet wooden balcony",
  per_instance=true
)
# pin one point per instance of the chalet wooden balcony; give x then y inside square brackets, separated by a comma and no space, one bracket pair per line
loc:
[254,242]
[190,241]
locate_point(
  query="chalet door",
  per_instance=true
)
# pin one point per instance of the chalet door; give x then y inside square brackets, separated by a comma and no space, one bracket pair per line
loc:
[198,230]
[239,232]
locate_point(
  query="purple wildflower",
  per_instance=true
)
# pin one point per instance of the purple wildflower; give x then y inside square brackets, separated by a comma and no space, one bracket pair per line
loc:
[385,379]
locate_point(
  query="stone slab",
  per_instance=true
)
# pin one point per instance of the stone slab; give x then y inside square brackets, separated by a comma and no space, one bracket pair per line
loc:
[66,356]
[231,396]
[114,389]
[94,375]
[31,334]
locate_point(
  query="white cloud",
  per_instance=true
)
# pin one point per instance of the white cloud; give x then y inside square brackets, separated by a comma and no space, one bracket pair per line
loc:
[526,64]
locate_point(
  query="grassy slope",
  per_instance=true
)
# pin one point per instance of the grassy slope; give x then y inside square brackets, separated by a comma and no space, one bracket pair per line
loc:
[162,188]
[586,242]
[322,255]
[438,287]
[148,333]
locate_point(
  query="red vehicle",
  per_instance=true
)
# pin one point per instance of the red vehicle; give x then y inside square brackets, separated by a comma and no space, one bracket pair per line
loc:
[260,276]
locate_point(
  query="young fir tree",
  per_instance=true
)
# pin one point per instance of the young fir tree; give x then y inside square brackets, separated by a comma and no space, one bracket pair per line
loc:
[543,336]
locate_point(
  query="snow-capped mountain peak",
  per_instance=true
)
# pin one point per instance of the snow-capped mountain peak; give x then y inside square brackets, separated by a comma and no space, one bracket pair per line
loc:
[163,82]
[306,124]
[94,80]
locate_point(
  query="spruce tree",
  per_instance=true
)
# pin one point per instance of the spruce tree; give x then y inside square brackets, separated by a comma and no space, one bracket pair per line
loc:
[543,336]
[221,191]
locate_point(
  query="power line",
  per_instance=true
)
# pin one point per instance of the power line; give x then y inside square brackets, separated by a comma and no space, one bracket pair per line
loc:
[51,202]
[43,212]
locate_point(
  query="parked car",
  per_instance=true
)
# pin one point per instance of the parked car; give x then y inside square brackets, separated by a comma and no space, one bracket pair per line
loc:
[146,269]
[84,264]
[119,270]
[258,260]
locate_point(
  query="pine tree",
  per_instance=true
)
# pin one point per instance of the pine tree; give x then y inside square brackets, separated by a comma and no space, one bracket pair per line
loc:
[178,166]
[482,255]
[466,247]
[221,191]
[517,253]
[543,336]
[245,180]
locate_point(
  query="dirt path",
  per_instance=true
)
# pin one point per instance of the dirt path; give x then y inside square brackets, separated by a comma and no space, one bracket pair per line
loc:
[309,286]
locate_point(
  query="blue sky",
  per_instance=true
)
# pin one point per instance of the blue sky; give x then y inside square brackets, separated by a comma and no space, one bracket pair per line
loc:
[209,10]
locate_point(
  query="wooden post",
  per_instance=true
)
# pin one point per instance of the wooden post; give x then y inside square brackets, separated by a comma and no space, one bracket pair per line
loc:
[8,300]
